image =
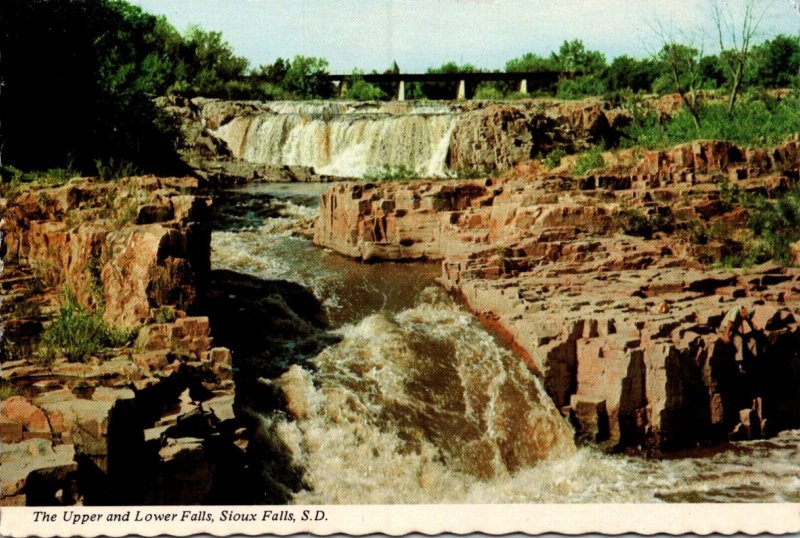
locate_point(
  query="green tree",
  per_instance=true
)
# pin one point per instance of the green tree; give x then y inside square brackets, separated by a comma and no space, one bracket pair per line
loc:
[530,62]
[361,90]
[572,57]
[79,77]
[682,66]
[304,78]
[632,73]
[776,63]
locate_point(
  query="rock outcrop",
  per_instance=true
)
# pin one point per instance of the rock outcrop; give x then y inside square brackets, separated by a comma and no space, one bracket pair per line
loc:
[485,136]
[149,422]
[625,331]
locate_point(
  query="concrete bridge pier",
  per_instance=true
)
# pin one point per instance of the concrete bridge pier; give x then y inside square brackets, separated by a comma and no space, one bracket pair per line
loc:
[461,93]
[523,86]
[401,90]
[342,88]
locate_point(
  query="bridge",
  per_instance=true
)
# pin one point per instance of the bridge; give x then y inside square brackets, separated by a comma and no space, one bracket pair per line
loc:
[524,80]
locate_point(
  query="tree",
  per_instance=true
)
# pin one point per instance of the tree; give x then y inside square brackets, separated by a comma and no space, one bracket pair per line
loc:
[680,63]
[530,63]
[80,77]
[305,78]
[775,63]
[572,57]
[210,62]
[361,90]
[632,73]
[735,37]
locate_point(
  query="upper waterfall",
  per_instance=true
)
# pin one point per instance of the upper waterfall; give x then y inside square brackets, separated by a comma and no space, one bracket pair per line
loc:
[345,139]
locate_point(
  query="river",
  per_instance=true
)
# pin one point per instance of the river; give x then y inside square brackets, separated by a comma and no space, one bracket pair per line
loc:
[417,403]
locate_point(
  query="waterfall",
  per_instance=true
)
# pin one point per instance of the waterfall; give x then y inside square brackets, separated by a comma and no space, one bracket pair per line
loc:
[342,139]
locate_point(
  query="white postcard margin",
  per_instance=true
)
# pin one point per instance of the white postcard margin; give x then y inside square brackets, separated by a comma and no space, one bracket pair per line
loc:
[393,520]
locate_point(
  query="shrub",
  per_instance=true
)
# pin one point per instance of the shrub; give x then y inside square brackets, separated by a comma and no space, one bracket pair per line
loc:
[112,170]
[637,223]
[164,314]
[553,159]
[489,92]
[391,172]
[757,122]
[777,224]
[78,334]
[7,390]
[361,90]
[588,161]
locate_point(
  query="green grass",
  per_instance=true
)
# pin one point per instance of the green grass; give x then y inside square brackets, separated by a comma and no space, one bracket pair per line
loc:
[773,225]
[391,173]
[13,179]
[754,123]
[7,390]
[588,161]
[78,334]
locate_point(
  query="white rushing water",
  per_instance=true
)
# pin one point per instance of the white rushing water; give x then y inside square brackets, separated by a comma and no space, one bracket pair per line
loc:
[419,404]
[344,140]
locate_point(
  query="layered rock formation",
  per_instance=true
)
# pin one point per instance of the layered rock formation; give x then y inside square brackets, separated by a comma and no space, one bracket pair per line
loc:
[625,331]
[149,422]
[224,142]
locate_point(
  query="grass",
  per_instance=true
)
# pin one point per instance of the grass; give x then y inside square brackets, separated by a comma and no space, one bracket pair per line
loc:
[78,334]
[46,272]
[164,314]
[773,225]
[7,390]
[588,161]
[112,170]
[391,173]
[13,179]
[755,122]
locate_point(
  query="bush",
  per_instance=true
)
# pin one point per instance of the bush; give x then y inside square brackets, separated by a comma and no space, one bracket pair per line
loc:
[489,92]
[7,390]
[553,159]
[360,90]
[390,173]
[588,161]
[635,222]
[78,334]
[776,223]
[757,122]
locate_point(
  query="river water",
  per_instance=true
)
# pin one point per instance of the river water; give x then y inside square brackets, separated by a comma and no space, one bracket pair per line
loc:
[417,403]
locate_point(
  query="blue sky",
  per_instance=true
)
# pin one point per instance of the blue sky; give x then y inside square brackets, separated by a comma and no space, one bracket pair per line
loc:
[370,34]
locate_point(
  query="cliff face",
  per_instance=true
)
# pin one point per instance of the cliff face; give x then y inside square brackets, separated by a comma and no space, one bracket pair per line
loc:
[500,137]
[151,421]
[231,141]
[625,331]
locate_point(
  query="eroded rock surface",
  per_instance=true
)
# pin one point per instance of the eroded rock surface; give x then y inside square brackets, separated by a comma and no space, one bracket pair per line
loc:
[126,424]
[624,330]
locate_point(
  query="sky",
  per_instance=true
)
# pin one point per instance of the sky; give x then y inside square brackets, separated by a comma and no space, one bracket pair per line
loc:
[371,34]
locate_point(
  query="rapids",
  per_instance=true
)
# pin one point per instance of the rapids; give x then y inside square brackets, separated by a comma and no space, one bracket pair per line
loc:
[417,403]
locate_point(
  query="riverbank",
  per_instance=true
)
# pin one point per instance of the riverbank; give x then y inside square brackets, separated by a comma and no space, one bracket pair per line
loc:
[624,330]
[145,417]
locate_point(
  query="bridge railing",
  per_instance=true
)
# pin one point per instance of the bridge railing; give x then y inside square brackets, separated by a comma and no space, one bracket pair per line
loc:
[525,81]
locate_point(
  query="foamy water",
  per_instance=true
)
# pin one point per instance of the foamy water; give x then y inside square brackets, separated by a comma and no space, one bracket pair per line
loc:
[345,140]
[419,404]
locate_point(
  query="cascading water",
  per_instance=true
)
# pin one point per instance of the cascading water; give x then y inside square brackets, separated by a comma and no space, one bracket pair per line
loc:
[343,140]
[418,404]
